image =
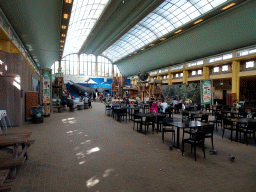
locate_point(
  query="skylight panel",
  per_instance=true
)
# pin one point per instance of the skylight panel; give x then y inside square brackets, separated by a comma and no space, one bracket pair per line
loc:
[84,16]
[167,17]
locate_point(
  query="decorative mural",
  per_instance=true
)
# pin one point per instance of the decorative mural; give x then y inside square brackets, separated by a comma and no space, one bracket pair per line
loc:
[182,92]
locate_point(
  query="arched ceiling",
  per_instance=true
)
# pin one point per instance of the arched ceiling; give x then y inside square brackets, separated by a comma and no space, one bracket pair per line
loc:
[228,31]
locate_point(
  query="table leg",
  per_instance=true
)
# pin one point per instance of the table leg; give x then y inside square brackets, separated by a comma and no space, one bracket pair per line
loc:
[178,137]
[236,131]
[14,155]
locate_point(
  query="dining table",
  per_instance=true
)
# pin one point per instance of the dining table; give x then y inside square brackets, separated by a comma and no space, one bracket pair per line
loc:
[239,121]
[143,115]
[199,112]
[182,125]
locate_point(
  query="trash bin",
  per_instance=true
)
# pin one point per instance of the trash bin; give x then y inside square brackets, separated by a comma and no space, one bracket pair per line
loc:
[37,113]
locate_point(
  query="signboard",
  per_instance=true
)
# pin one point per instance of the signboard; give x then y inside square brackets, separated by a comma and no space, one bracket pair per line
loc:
[206,92]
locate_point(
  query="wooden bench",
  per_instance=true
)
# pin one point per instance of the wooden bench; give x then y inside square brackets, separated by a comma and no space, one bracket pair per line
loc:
[7,185]
[3,174]
[60,108]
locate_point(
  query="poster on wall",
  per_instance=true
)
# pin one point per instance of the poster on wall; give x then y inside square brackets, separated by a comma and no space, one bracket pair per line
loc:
[206,92]
[47,96]
[46,84]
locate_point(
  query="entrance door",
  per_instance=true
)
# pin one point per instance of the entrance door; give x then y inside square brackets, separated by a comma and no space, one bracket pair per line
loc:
[224,93]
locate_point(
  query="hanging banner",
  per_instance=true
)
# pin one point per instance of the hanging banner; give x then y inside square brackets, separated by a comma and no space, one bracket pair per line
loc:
[206,92]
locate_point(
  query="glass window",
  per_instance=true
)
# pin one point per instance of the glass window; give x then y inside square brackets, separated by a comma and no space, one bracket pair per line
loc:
[166,18]
[199,72]
[83,17]
[181,74]
[193,72]
[177,75]
[249,64]
[216,69]
[225,68]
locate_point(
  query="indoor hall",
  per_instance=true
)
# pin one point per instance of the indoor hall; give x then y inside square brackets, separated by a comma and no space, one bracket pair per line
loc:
[127,95]
[90,151]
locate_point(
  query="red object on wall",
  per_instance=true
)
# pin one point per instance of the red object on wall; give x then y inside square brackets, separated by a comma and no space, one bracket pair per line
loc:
[231,99]
[31,100]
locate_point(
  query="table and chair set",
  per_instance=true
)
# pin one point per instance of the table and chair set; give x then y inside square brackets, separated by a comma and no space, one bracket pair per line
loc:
[197,125]
[13,148]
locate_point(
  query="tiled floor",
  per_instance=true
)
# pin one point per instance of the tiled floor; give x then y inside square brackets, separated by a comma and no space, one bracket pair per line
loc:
[89,151]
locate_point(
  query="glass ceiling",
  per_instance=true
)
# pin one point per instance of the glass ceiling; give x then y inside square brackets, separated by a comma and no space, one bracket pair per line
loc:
[84,15]
[170,15]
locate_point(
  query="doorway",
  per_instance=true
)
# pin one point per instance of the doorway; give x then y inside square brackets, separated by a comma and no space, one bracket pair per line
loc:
[224,97]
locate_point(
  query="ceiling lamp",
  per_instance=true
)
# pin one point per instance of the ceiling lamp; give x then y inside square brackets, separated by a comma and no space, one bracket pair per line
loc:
[162,39]
[68,1]
[151,45]
[65,16]
[63,27]
[142,49]
[198,21]
[228,6]
[61,46]
[63,35]
[62,41]
[178,31]
[135,52]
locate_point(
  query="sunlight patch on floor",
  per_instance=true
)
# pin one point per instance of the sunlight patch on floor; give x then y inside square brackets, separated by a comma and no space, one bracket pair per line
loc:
[91,182]
[93,150]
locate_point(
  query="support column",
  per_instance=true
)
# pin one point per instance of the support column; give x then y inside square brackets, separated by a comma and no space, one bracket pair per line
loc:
[206,72]
[236,78]
[170,79]
[185,76]
[78,65]
[96,67]
[59,69]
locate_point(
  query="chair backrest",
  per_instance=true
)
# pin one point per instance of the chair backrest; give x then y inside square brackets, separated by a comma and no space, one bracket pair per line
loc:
[251,126]
[160,118]
[150,119]
[136,111]
[219,117]
[204,118]
[137,117]
[208,129]
[243,114]
[253,110]
[200,135]
[241,109]
[227,122]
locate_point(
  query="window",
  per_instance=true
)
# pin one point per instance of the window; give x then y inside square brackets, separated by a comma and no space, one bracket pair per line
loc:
[82,19]
[177,75]
[181,74]
[199,72]
[216,69]
[166,18]
[193,72]
[225,68]
[249,64]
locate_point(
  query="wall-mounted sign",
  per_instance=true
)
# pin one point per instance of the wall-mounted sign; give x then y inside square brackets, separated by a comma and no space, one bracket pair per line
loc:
[206,92]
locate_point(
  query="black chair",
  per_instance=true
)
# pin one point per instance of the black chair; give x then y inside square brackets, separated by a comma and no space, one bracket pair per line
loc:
[227,124]
[108,109]
[217,120]
[150,120]
[242,114]
[178,107]
[208,130]
[159,122]
[122,113]
[166,129]
[208,107]
[250,129]
[202,118]
[196,140]
[135,111]
[136,119]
